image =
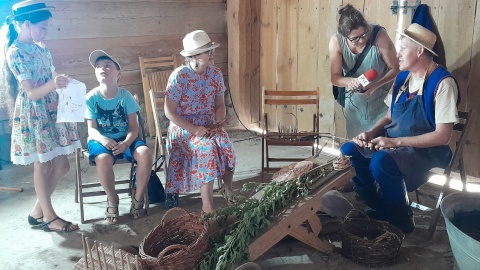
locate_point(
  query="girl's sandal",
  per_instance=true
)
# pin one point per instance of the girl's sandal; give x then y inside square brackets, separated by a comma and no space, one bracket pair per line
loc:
[136,207]
[112,218]
[66,228]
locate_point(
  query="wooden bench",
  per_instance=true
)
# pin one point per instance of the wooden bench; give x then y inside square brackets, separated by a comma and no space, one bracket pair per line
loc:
[304,210]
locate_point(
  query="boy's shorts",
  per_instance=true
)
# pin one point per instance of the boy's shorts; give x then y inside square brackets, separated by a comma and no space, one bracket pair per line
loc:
[95,148]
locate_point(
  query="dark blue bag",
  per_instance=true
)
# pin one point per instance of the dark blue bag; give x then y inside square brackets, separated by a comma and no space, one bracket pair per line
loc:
[156,192]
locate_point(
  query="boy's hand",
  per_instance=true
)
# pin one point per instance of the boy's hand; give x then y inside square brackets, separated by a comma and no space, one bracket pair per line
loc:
[120,148]
[108,143]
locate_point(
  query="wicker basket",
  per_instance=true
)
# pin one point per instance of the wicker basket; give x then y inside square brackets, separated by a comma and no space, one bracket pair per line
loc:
[370,242]
[178,243]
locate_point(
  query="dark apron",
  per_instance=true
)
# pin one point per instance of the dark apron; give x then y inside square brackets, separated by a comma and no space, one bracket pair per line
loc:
[409,119]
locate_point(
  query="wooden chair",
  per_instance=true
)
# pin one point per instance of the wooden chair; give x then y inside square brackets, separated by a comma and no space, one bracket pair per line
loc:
[455,169]
[157,99]
[83,190]
[155,72]
[98,256]
[293,137]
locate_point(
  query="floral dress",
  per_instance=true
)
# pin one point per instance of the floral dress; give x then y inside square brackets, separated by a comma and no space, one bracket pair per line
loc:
[36,135]
[194,161]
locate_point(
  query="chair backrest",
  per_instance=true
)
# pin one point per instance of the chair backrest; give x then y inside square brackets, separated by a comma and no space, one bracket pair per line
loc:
[463,127]
[157,99]
[291,97]
[155,72]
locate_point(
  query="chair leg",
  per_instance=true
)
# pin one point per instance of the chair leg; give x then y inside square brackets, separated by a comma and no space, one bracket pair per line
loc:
[77,167]
[147,205]
[436,213]
[263,159]
[418,197]
[79,186]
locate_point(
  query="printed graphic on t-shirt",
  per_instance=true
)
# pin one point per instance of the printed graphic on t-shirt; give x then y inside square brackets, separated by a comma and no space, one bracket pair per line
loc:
[112,121]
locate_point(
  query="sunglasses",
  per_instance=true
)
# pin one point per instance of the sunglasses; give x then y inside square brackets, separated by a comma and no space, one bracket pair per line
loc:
[356,39]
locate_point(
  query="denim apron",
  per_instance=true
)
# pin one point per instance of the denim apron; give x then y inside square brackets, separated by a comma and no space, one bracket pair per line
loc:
[409,119]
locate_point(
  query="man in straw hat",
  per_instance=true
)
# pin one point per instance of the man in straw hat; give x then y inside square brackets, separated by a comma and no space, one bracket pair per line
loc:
[394,157]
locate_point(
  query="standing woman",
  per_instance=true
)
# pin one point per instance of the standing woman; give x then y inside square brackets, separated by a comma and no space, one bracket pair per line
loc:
[194,104]
[362,110]
[36,136]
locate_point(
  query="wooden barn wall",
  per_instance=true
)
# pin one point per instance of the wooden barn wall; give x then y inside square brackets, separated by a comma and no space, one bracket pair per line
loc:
[128,29]
[294,37]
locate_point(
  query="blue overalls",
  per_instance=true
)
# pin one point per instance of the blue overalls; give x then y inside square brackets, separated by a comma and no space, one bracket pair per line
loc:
[402,169]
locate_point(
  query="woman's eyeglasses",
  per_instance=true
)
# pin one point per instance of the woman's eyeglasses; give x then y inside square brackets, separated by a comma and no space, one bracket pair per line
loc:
[356,39]
[211,52]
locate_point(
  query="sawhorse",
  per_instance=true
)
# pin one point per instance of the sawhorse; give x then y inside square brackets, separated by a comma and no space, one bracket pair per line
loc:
[290,220]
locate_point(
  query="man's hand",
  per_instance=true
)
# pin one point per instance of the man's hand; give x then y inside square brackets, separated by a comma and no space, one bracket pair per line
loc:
[363,139]
[380,143]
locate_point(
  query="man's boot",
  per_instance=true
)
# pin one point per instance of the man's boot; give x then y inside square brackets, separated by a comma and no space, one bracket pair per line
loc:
[402,216]
[375,207]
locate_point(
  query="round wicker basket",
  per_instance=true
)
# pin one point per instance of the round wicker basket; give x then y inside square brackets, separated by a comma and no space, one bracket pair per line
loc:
[370,242]
[178,243]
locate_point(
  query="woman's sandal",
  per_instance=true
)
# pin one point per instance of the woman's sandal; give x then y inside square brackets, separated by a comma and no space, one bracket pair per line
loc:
[112,218]
[65,228]
[35,221]
[136,207]
[229,196]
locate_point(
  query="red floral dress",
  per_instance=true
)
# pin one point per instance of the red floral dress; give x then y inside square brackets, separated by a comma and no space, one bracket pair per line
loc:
[194,161]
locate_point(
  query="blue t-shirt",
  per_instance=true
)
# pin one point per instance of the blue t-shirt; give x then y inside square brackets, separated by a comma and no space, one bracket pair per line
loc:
[111,114]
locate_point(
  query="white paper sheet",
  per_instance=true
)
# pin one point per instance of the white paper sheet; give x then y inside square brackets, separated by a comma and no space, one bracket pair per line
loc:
[72,102]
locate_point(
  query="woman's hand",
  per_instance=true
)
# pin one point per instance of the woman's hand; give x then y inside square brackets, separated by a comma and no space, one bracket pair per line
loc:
[200,131]
[354,84]
[61,81]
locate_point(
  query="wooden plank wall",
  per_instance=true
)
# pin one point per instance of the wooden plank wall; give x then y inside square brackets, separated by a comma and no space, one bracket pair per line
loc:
[294,51]
[243,57]
[128,29]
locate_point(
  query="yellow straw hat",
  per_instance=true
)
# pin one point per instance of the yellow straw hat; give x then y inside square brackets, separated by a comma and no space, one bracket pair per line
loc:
[421,35]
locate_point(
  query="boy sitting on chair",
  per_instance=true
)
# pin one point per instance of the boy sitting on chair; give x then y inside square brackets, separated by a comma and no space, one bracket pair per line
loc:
[113,133]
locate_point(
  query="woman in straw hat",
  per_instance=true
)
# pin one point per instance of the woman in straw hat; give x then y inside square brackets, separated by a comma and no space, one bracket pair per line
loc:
[198,146]
[36,136]
[397,154]
[354,35]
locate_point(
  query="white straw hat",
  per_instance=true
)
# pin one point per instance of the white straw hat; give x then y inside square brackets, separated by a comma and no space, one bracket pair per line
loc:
[197,42]
[421,35]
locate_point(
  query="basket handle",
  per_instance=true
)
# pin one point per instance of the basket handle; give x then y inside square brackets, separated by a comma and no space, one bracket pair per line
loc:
[175,209]
[172,247]
[385,235]
[353,211]
[294,116]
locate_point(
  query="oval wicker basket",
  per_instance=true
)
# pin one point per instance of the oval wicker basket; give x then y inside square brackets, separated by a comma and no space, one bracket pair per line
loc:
[178,243]
[368,242]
